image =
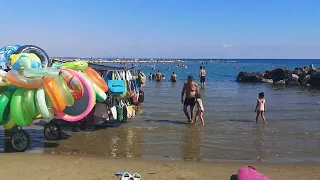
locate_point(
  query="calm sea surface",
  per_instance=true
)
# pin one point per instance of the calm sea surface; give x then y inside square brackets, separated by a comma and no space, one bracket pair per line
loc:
[292,132]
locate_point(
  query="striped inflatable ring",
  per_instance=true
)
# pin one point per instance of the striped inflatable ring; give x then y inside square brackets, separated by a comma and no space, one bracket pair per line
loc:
[5,53]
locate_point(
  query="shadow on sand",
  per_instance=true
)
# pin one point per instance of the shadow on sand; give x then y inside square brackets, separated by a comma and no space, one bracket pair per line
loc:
[166,121]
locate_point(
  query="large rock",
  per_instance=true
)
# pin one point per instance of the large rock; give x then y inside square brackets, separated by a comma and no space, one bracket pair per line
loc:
[249,77]
[297,71]
[314,80]
[293,80]
[277,74]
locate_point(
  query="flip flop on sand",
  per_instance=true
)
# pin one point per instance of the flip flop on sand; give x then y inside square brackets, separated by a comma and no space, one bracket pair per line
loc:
[136,176]
[126,176]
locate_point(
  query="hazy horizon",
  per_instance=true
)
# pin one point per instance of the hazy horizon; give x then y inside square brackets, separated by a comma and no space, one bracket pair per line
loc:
[287,29]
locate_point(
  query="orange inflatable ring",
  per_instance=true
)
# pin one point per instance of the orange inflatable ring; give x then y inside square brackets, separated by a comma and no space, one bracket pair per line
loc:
[51,87]
[96,78]
[73,83]
[16,78]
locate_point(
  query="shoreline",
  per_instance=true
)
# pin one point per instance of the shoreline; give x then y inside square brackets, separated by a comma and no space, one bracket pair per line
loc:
[39,166]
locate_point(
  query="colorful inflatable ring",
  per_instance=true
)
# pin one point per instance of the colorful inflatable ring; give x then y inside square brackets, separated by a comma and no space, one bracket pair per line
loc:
[91,100]
[44,104]
[4,106]
[16,110]
[73,83]
[17,79]
[3,89]
[3,75]
[51,88]
[44,58]
[96,78]
[24,61]
[100,94]
[63,90]
[28,104]
[39,72]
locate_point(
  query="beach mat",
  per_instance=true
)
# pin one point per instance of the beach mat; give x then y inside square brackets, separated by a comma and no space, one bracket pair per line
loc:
[250,173]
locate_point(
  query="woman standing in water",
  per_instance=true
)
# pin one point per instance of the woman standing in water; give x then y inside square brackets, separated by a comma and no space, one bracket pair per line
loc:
[174,77]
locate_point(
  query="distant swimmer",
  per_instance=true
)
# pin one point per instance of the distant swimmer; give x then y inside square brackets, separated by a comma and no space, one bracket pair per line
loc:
[202,76]
[159,76]
[168,69]
[150,76]
[174,77]
[190,88]
[163,78]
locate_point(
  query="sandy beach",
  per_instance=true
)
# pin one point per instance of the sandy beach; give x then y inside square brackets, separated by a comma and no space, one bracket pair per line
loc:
[44,167]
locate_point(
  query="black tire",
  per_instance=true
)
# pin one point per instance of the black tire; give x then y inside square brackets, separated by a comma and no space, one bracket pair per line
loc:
[52,131]
[20,141]
[45,61]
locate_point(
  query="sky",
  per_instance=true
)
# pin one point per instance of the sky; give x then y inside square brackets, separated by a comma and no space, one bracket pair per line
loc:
[165,28]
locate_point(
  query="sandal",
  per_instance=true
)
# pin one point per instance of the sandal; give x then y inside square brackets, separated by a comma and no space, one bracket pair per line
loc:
[126,176]
[136,176]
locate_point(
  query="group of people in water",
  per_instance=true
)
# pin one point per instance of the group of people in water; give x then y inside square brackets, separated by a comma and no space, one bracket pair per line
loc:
[191,97]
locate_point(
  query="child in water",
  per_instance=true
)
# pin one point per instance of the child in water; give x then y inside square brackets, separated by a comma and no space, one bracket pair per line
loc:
[200,109]
[261,107]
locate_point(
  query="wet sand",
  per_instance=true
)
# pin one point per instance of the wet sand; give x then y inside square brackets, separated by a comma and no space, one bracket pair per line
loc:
[37,166]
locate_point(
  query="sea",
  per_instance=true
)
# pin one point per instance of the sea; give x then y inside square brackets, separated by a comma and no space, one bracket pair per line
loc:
[292,132]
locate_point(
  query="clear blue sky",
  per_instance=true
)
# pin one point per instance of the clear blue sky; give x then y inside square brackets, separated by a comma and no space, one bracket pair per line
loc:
[165,28]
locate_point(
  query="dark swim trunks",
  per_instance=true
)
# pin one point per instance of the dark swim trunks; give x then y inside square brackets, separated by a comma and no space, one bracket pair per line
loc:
[190,101]
[202,79]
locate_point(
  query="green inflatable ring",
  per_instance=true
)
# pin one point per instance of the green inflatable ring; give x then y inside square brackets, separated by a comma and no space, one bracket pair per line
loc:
[4,106]
[29,105]
[17,113]
[43,103]
[100,95]
[64,91]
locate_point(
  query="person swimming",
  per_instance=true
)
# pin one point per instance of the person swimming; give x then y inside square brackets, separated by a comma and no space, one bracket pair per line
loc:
[159,76]
[174,77]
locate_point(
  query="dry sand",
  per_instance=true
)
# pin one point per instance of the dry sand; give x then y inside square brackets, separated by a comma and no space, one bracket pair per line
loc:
[59,167]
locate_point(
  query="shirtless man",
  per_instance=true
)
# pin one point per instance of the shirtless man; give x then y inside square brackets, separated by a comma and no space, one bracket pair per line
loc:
[159,76]
[174,77]
[190,88]
[202,76]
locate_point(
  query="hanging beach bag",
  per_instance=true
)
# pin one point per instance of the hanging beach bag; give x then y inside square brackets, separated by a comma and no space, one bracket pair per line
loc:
[116,85]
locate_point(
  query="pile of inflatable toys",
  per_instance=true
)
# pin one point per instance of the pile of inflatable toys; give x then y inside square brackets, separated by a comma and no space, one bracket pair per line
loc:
[33,88]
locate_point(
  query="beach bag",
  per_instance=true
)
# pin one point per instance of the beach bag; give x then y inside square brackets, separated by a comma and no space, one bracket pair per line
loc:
[101,111]
[135,85]
[129,111]
[116,85]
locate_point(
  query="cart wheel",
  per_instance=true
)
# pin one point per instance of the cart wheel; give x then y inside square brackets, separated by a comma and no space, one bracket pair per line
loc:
[52,131]
[20,141]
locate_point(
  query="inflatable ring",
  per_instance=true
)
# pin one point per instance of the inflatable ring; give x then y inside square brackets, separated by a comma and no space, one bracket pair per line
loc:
[28,104]
[76,65]
[44,104]
[3,75]
[44,58]
[91,100]
[52,88]
[4,106]
[17,79]
[17,113]
[96,78]
[101,96]
[73,83]
[40,72]
[5,53]
[24,61]
[63,90]
[3,89]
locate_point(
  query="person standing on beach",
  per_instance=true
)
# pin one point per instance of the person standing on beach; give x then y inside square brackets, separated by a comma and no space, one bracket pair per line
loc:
[159,76]
[190,88]
[261,107]
[202,76]
[174,77]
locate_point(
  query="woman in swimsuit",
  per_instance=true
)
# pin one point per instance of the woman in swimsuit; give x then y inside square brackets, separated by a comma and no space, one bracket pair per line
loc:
[261,107]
